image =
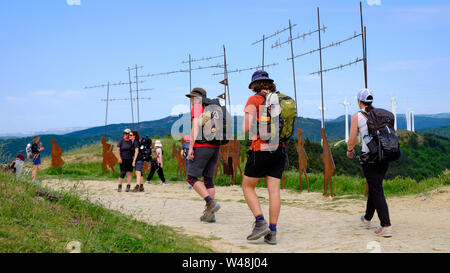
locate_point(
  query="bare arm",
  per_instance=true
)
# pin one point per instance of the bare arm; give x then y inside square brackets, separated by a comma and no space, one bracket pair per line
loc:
[353,136]
[118,155]
[194,134]
[136,152]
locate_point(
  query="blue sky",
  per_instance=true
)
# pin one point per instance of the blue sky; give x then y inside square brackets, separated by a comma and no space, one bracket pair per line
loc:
[51,50]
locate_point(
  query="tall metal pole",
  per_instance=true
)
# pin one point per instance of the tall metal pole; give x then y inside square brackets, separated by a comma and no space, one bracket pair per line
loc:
[227,88]
[293,73]
[365,56]
[131,99]
[137,96]
[107,102]
[363,38]
[321,77]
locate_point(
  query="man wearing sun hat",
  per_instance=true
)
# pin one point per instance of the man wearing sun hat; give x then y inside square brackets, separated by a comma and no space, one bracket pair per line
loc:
[202,157]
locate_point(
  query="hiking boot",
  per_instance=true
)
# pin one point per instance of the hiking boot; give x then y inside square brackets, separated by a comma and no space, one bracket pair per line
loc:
[210,208]
[141,188]
[148,182]
[136,189]
[165,183]
[128,188]
[212,220]
[271,238]
[260,228]
[365,223]
[384,231]
[120,188]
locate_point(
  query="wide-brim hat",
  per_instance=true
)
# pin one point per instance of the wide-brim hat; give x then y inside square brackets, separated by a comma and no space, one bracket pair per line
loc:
[158,143]
[259,75]
[197,92]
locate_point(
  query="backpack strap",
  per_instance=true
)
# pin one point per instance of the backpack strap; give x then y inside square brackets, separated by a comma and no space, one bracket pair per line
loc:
[364,113]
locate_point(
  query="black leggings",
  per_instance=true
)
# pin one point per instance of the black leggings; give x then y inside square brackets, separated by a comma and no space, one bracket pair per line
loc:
[374,173]
[155,167]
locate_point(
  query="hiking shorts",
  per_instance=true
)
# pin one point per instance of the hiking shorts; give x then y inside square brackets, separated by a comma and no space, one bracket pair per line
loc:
[126,166]
[204,163]
[37,160]
[264,163]
[139,165]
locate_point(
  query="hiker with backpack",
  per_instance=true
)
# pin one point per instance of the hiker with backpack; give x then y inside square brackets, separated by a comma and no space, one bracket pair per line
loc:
[157,164]
[35,154]
[138,160]
[267,154]
[379,147]
[124,154]
[202,154]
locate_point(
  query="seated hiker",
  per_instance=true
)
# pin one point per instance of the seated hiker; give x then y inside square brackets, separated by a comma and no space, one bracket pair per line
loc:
[17,165]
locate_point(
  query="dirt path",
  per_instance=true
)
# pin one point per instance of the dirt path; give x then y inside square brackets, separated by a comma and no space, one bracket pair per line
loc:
[308,222]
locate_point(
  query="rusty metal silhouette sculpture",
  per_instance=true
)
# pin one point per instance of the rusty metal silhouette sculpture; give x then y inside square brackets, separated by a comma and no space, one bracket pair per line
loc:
[109,158]
[328,164]
[57,161]
[230,155]
[302,159]
[181,164]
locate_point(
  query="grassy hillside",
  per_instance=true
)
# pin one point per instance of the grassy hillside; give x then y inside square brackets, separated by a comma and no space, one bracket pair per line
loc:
[440,131]
[36,220]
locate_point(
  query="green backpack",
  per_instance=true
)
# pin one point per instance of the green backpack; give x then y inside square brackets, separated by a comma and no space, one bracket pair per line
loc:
[287,114]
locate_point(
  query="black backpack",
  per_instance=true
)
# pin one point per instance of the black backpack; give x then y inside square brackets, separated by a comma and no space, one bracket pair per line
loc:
[383,144]
[215,131]
[145,149]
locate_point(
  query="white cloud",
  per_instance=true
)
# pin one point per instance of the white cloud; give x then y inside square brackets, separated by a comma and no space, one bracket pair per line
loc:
[73,2]
[374,2]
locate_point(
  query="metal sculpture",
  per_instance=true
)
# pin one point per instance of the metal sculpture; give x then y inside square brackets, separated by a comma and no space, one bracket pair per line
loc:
[302,159]
[57,161]
[109,158]
[230,155]
[181,163]
[328,163]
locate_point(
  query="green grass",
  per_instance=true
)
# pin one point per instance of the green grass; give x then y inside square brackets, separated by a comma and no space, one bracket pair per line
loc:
[32,223]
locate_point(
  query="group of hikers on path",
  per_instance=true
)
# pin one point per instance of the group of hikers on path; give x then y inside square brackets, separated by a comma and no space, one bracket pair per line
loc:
[132,153]
[265,159]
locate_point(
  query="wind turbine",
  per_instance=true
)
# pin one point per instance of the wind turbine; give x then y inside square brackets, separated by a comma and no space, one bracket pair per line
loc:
[408,123]
[394,110]
[346,104]
[412,120]
[320,110]
[323,125]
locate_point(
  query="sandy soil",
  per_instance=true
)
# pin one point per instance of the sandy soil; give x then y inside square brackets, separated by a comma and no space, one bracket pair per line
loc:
[308,222]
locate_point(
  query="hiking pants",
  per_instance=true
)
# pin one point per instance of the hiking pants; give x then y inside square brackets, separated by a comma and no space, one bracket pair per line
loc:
[374,173]
[156,168]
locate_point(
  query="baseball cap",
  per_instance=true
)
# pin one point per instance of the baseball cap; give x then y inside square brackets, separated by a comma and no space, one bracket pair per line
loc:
[365,95]
[197,92]
[127,131]
[259,75]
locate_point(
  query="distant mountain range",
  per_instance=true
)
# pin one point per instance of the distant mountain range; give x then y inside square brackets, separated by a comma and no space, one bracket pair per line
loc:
[162,127]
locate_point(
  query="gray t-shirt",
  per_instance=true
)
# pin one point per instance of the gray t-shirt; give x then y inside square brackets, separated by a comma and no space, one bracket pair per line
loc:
[126,149]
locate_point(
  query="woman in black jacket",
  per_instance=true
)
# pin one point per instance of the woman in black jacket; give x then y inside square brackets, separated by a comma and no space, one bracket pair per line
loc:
[373,171]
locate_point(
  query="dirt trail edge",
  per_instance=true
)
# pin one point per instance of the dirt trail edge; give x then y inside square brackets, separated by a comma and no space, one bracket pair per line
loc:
[308,222]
